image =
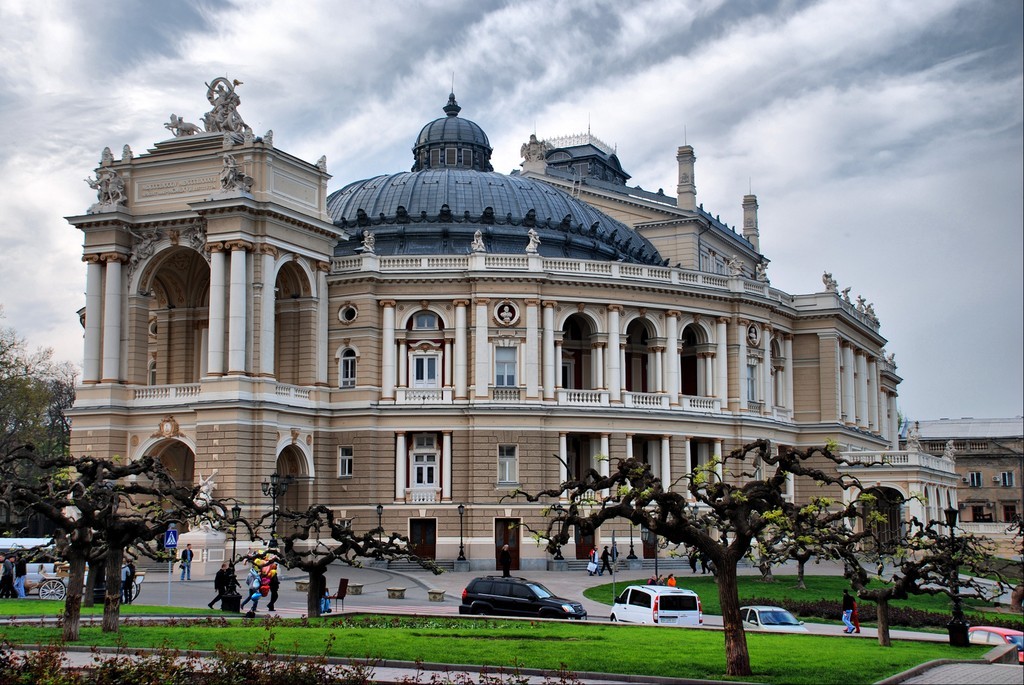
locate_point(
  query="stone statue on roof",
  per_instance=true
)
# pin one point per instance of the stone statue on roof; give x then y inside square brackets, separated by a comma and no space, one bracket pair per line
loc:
[531,247]
[534,150]
[181,128]
[110,190]
[232,177]
[478,242]
[224,116]
[830,283]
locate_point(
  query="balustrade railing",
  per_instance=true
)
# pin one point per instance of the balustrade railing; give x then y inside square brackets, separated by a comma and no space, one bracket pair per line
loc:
[422,495]
[583,398]
[166,392]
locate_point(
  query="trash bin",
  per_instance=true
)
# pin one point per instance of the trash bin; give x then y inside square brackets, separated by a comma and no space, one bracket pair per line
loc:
[231,603]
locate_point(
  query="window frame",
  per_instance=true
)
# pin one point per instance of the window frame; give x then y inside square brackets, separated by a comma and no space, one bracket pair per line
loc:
[1006,479]
[508,464]
[347,368]
[346,459]
[974,479]
[501,366]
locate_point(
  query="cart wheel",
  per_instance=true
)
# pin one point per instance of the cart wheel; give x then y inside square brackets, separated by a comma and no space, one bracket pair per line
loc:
[52,589]
[138,590]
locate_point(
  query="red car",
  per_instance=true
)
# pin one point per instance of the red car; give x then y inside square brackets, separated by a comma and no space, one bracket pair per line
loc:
[990,635]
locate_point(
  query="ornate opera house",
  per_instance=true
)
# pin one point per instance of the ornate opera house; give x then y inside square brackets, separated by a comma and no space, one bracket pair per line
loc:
[410,348]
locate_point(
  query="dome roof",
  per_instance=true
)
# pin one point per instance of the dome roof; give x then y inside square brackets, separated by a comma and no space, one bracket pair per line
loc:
[449,137]
[432,210]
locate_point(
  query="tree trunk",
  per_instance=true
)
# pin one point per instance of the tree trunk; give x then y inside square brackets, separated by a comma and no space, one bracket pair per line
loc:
[317,584]
[882,612]
[800,564]
[73,599]
[89,590]
[112,598]
[766,571]
[737,658]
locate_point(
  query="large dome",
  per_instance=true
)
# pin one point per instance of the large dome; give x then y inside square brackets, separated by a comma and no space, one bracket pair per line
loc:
[432,210]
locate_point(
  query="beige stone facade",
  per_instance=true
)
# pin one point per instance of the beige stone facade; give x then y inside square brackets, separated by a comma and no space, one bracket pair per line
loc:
[223,330]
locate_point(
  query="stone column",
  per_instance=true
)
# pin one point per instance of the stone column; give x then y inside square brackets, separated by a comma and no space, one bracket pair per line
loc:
[461,351]
[722,362]
[666,463]
[717,456]
[482,351]
[849,409]
[672,345]
[605,464]
[598,366]
[862,389]
[709,359]
[112,296]
[894,423]
[403,363]
[93,319]
[446,466]
[872,392]
[741,361]
[549,350]
[788,401]
[614,370]
[268,308]
[563,461]
[218,299]
[688,456]
[448,358]
[766,369]
[558,364]
[531,370]
[237,302]
[322,307]
[629,445]
[401,466]
[659,367]
[387,352]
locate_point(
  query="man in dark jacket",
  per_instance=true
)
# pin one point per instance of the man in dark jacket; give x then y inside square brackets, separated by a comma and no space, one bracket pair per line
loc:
[222,584]
[20,571]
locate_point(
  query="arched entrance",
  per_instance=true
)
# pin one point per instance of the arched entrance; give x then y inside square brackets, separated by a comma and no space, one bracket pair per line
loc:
[295,316]
[291,467]
[889,503]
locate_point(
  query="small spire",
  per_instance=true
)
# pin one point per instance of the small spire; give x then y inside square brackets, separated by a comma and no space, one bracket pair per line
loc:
[452,109]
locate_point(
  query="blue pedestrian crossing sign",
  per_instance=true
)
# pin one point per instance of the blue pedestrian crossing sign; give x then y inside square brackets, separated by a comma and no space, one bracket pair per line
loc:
[170,539]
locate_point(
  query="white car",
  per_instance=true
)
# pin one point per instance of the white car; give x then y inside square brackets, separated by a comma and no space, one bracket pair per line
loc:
[658,605]
[770,619]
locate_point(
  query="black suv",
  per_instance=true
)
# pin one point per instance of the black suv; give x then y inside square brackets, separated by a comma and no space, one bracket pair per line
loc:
[516,597]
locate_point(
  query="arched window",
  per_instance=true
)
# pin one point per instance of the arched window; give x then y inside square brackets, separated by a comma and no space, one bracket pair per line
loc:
[424,321]
[347,369]
[152,372]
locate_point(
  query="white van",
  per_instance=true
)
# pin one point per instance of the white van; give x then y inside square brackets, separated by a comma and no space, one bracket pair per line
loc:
[658,604]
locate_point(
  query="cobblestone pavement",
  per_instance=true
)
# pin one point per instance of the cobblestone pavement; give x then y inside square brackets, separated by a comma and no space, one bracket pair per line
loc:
[963,674]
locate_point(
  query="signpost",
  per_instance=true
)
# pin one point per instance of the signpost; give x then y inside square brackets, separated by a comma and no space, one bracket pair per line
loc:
[170,543]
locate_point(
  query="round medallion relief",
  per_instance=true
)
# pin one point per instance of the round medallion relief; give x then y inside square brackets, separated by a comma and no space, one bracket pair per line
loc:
[506,313]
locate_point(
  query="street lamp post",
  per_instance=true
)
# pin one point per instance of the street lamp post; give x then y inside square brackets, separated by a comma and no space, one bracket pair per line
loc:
[275,489]
[462,547]
[958,625]
[380,519]
[632,554]
[236,513]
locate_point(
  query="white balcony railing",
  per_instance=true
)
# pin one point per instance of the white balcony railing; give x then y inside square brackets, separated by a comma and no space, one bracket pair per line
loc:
[155,394]
[506,394]
[901,459]
[423,395]
[422,495]
[645,400]
[583,398]
[706,404]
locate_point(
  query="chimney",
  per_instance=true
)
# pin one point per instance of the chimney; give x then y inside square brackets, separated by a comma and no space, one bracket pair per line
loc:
[750,221]
[686,191]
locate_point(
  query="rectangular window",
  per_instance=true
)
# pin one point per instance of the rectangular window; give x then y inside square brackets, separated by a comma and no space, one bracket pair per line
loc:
[344,462]
[451,156]
[978,513]
[1006,477]
[751,383]
[975,479]
[467,158]
[508,464]
[425,371]
[424,469]
[505,366]
[1010,513]
[435,159]
[347,373]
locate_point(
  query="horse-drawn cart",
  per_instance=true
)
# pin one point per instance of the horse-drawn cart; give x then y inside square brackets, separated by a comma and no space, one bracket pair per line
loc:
[51,581]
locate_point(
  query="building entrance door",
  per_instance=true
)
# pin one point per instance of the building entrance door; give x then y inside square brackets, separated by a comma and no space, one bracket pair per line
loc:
[423,538]
[506,532]
[584,543]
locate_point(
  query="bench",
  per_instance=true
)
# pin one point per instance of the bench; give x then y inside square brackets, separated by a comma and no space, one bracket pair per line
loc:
[355,588]
[302,586]
[435,595]
[396,593]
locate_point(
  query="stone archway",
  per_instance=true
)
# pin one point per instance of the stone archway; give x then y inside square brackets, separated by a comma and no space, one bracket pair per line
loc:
[889,503]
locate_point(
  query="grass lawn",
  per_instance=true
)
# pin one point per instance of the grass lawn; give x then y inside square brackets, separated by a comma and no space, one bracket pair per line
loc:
[32,606]
[827,588]
[584,646]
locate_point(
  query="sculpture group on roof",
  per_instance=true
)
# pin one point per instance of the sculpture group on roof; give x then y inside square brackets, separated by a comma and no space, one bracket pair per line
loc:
[224,116]
[110,190]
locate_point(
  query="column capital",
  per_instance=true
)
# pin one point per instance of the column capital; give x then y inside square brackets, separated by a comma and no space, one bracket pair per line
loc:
[460,303]
[91,258]
[215,247]
[722,319]
[549,303]
[674,314]
[239,245]
[266,248]
[615,308]
[531,302]
[322,266]
[113,257]
[740,321]
[387,303]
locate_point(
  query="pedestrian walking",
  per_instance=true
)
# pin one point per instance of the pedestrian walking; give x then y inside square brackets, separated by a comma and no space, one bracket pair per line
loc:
[274,583]
[127,581]
[855,618]
[606,559]
[7,578]
[505,559]
[703,563]
[693,559]
[252,586]
[592,563]
[20,571]
[848,604]
[221,583]
[186,562]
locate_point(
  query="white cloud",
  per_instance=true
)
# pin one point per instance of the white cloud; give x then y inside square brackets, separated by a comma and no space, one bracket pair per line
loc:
[883,138]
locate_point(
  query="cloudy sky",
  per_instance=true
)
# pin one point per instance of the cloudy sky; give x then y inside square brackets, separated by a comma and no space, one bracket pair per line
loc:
[883,138]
